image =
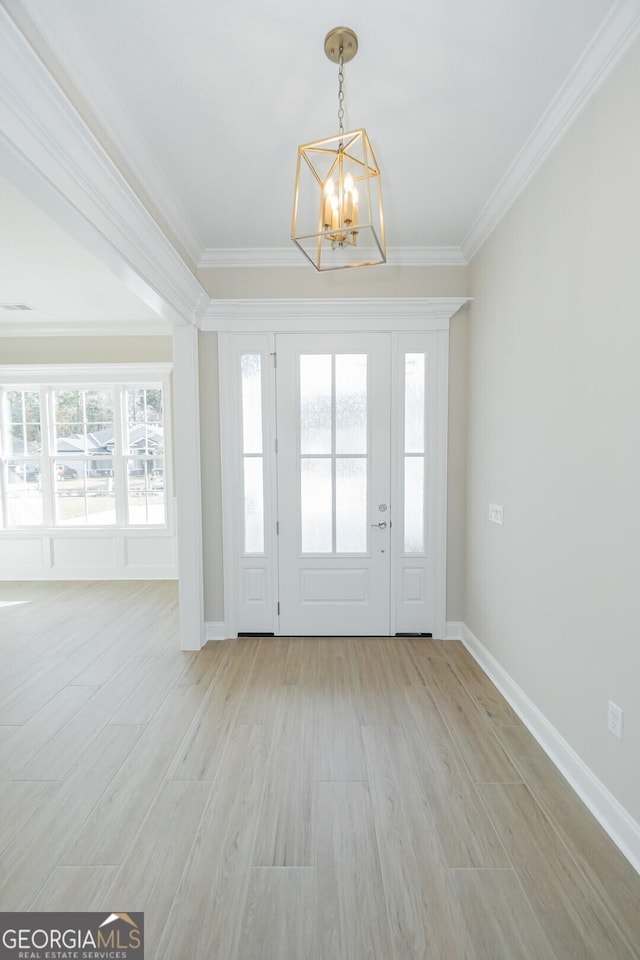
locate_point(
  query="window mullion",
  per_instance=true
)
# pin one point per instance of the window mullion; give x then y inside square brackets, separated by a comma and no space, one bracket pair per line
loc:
[47,461]
[120,462]
[4,456]
[333,455]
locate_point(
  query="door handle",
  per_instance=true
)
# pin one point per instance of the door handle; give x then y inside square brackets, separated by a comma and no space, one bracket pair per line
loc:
[382,524]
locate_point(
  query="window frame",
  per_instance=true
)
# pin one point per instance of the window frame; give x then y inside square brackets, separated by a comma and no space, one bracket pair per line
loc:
[49,379]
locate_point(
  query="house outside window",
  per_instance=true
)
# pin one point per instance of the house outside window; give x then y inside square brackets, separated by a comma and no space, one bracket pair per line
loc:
[84,454]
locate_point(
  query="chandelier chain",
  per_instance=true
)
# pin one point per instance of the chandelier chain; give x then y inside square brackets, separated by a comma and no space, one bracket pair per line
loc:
[341,91]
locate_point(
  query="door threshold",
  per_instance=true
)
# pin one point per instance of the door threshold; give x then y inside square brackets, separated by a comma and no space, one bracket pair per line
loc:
[330,636]
[311,636]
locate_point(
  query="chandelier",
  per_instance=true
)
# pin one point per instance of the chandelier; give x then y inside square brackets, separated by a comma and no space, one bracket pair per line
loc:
[337,208]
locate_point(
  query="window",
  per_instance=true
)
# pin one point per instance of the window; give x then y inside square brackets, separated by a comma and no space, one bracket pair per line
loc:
[84,437]
[252,453]
[333,452]
[414,452]
[21,446]
[145,456]
[83,455]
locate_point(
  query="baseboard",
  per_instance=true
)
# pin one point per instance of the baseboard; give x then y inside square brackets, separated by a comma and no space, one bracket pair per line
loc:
[610,814]
[454,630]
[215,630]
[28,574]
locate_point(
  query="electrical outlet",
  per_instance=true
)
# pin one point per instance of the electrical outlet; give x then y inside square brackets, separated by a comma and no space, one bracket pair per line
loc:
[614,720]
[496,513]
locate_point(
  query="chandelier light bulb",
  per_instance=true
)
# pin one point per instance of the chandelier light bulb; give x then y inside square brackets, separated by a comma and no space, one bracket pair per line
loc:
[329,222]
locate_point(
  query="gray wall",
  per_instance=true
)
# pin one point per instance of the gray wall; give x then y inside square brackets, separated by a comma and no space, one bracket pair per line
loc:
[553,402]
[85,349]
[304,281]
[211,487]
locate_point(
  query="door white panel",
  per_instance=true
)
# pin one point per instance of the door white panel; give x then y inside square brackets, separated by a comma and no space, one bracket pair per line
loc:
[413,585]
[333,414]
[329,586]
[255,586]
[355,482]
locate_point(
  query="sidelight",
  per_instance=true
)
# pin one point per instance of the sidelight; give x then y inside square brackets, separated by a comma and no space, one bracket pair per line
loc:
[252,459]
[414,452]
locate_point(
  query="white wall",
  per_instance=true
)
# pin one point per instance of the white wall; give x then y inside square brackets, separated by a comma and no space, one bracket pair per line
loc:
[554,436]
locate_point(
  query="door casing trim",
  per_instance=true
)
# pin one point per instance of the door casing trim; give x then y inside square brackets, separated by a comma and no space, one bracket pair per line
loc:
[325,316]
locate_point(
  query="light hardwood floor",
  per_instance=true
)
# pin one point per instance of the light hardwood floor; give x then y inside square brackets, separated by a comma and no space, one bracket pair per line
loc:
[286,799]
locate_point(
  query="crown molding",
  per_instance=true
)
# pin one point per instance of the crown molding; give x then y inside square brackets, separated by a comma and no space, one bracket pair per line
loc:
[218,258]
[41,126]
[426,257]
[119,328]
[610,43]
[294,315]
[76,372]
[50,153]
[52,22]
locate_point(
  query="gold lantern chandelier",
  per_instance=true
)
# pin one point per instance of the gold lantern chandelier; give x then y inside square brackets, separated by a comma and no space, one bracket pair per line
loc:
[337,208]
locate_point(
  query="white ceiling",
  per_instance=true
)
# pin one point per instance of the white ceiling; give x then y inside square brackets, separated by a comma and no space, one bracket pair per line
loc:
[38,259]
[203,104]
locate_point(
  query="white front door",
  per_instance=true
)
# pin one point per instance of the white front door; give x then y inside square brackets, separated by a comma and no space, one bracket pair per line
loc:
[334,483]
[334,480]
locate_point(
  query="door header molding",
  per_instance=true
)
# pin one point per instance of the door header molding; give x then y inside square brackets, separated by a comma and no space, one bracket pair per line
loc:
[331,315]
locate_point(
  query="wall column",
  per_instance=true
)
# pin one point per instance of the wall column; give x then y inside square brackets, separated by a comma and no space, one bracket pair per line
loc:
[186,410]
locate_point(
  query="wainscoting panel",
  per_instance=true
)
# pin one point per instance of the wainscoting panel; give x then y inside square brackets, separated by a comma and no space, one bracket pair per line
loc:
[98,555]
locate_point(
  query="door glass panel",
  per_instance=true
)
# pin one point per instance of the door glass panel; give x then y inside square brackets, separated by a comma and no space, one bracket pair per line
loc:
[316,505]
[351,505]
[253,505]
[333,423]
[414,403]
[351,403]
[251,376]
[315,403]
[414,504]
